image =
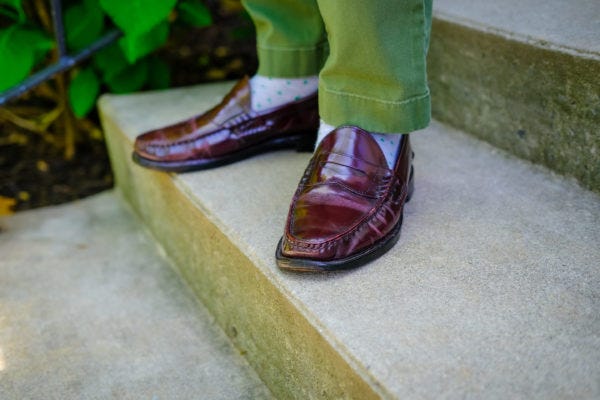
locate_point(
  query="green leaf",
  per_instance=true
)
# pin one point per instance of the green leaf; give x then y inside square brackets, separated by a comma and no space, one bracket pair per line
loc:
[195,13]
[39,42]
[11,3]
[138,46]
[136,17]
[21,59]
[132,78]
[110,61]
[83,91]
[160,74]
[21,47]
[12,9]
[36,39]
[83,24]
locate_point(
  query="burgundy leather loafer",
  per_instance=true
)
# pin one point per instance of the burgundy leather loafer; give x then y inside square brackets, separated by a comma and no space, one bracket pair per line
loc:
[348,207]
[229,132]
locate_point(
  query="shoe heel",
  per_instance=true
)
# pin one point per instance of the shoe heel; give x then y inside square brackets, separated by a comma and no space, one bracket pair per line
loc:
[306,142]
[411,185]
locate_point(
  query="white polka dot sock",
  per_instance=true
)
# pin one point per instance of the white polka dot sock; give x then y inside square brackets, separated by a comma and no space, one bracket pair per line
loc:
[268,92]
[388,142]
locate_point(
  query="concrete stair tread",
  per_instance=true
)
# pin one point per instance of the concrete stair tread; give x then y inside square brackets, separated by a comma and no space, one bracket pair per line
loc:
[492,290]
[90,310]
[570,25]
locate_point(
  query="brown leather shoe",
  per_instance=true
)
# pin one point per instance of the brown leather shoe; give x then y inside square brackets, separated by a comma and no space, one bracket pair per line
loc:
[348,207]
[229,132]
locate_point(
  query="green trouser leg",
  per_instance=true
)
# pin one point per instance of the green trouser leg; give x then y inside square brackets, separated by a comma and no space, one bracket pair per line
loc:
[375,74]
[290,36]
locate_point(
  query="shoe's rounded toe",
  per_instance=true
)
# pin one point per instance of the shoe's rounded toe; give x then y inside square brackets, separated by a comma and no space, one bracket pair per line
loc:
[164,144]
[143,146]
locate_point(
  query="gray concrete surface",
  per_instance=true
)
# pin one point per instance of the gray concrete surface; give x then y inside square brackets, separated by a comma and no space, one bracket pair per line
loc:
[522,76]
[493,290]
[89,310]
[571,25]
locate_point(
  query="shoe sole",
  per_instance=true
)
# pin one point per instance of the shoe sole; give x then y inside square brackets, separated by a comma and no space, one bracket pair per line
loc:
[359,259]
[303,142]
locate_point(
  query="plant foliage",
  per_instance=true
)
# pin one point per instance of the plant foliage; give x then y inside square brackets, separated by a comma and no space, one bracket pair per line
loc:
[21,47]
[83,91]
[122,67]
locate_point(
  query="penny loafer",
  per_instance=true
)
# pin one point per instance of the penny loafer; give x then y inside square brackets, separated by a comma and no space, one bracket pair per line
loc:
[348,207]
[229,132]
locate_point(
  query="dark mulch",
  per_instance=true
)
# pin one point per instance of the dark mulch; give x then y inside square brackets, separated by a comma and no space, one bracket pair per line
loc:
[35,173]
[33,169]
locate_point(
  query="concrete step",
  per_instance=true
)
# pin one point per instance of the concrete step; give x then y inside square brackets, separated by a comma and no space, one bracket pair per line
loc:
[493,290]
[522,75]
[90,310]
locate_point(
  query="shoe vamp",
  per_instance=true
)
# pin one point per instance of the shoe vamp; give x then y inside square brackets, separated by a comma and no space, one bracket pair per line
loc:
[327,211]
[360,181]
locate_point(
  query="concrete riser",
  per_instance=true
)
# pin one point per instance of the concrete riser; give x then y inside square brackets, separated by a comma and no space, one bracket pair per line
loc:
[286,350]
[537,103]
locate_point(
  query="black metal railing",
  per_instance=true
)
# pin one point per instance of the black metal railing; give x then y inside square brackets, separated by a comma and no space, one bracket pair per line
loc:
[65,61]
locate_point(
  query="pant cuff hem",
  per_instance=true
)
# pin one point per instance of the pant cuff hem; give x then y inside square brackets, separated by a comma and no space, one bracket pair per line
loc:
[375,115]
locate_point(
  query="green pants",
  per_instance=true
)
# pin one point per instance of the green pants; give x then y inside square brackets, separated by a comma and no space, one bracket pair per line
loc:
[369,54]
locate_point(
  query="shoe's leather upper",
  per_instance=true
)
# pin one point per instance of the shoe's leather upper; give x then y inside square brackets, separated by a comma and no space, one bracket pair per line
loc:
[226,128]
[348,198]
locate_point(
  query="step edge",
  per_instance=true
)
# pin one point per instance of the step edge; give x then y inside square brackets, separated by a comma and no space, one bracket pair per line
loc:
[530,40]
[271,276]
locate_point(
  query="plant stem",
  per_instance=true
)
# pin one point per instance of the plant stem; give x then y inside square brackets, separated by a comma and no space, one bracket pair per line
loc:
[43,15]
[67,117]
[7,115]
